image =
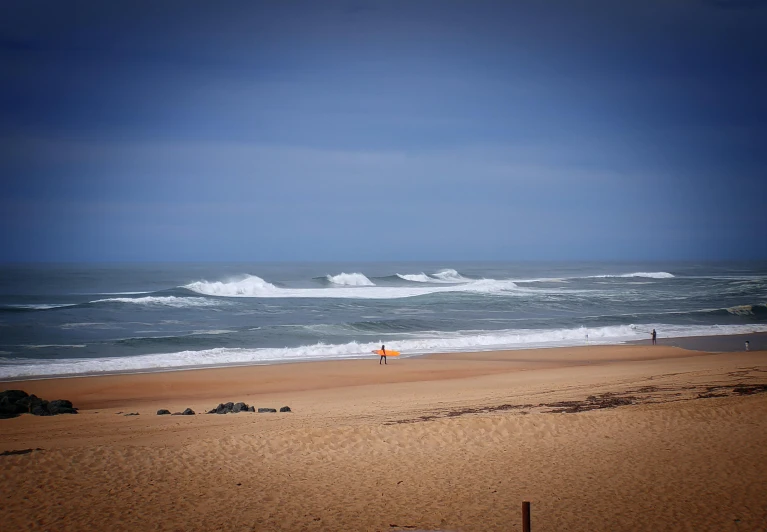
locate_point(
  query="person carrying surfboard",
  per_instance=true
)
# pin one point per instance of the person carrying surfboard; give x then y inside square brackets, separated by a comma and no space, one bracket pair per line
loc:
[383,355]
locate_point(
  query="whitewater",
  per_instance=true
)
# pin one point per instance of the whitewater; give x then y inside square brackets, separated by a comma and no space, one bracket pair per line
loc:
[81,319]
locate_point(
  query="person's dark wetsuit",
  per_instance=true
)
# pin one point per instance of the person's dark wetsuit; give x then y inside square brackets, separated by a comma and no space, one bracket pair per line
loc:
[383,355]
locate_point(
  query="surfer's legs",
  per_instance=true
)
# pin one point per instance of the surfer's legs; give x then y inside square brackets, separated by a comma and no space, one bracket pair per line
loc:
[379,360]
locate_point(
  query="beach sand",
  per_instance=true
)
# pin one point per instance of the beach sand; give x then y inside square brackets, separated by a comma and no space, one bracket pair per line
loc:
[610,438]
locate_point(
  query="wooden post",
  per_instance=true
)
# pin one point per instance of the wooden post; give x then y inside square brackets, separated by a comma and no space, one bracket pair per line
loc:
[526,516]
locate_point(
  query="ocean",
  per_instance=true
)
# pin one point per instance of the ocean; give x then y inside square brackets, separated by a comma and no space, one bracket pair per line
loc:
[75,319]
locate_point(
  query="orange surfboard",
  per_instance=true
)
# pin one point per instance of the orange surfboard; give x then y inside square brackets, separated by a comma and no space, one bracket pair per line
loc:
[388,353]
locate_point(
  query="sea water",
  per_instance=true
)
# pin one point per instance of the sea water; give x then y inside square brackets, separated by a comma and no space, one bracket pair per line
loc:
[89,319]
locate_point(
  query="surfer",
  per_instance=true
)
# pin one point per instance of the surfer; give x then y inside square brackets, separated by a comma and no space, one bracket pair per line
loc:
[654,336]
[383,355]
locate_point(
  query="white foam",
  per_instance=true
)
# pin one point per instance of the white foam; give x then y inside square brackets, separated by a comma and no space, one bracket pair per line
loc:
[163,301]
[350,279]
[650,275]
[450,276]
[416,278]
[247,286]
[436,342]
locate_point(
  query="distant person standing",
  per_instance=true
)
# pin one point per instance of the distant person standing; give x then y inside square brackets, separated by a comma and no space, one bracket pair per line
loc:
[654,337]
[748,346]
[383,355]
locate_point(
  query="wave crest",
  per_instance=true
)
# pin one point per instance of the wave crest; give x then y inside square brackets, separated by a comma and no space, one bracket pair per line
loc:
[747,310]
[415,277]
[350,279]
[449,275]
[248,286]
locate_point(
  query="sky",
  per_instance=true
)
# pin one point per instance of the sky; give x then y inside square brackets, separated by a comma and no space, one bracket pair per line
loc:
[383,130]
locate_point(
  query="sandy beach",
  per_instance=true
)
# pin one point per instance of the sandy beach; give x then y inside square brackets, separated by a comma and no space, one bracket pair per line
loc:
[607,438]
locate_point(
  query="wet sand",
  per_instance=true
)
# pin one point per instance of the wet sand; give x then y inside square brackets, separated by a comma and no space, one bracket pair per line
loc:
[597,438]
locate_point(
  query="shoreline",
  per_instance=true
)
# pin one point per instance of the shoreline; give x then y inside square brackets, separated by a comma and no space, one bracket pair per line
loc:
[710,344]
[229,383]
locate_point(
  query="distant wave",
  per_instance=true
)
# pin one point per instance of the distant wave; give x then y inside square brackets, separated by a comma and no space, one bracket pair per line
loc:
[416,278]
[350,279]
[46,346]
[650,275]
[162,301]
[438,343]
[248,286]
[35,307]
[253,286]
[450,275]
[122,293]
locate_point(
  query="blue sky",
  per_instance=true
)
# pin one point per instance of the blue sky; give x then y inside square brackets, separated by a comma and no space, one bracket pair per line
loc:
[383,130]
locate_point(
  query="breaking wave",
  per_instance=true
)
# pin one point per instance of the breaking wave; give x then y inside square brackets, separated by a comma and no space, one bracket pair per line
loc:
[350,279]
[748,310]
[450,276]
[253,286]
[416,278]
[248,286]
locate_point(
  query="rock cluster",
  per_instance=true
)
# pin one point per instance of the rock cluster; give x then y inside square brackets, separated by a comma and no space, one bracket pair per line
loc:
[164,412]
[15,402]
[233,408]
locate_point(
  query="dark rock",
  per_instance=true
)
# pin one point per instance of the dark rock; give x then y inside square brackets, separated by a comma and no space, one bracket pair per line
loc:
[9,403]
[15,402]
[231,408]
[12,395]
[163,412]
[41,410]
[8,406]
[285,409]
[131,414]
[30,403]
[266,410]
[187,412]
[61,406]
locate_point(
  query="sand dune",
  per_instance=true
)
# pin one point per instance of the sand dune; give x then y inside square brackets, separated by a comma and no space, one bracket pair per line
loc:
[452,442]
